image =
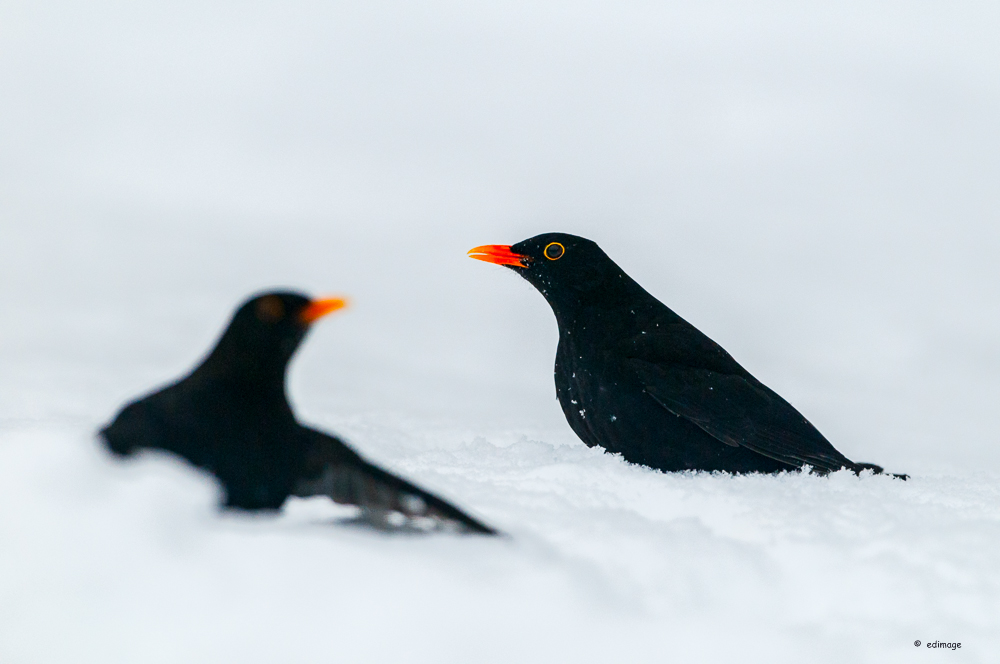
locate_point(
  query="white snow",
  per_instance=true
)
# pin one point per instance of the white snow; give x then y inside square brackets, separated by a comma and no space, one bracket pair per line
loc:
[814,187]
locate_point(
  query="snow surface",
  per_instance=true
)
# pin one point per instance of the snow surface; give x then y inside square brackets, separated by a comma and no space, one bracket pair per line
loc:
[814,187]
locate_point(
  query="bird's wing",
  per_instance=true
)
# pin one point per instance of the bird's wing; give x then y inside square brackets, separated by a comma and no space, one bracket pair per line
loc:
[738,410]
[333,469]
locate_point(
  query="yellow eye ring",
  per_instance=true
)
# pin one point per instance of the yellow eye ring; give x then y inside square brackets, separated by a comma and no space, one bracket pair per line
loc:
[554,251]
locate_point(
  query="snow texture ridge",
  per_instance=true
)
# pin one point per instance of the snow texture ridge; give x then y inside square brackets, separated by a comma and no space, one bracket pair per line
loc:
[130,561]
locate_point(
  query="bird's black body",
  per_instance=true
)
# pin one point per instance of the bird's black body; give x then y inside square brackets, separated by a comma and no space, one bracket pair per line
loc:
[231,417]
[635,378]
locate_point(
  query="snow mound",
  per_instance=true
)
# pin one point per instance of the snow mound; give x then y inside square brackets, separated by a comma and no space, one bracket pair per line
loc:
[605,561]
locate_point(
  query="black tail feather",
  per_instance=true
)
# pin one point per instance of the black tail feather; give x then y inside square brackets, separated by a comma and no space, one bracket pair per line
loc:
[378,491]
[335,470]
[877,470]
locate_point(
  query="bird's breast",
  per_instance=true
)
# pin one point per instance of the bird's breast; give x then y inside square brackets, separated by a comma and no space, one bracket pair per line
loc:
[590,389]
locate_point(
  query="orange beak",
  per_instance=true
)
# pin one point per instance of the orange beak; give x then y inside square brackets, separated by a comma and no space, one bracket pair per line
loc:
[499,254]
[319,308]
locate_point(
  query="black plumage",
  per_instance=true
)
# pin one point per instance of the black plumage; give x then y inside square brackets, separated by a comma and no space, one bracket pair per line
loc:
[231,416]
[635,378]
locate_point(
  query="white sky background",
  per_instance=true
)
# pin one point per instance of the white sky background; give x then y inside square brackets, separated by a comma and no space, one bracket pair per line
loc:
[815,187]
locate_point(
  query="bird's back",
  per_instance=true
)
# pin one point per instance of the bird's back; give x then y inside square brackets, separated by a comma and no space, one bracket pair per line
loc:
[607,402]
[249,443]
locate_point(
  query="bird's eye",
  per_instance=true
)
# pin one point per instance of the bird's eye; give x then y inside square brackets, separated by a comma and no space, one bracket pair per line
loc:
[554,251]
[270,309]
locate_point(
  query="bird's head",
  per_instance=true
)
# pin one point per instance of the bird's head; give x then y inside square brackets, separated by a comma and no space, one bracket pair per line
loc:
[266,330]
[566,269]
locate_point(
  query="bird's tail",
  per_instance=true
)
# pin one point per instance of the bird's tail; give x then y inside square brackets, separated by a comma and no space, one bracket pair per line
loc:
[877,470]
[380,493]
[333,469]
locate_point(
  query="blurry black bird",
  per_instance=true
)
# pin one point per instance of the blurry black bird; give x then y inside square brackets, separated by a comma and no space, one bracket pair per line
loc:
[231,417]
[635,378]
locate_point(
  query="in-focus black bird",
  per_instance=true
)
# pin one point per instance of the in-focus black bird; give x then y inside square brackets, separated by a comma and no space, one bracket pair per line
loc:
[634,377]
[231,417]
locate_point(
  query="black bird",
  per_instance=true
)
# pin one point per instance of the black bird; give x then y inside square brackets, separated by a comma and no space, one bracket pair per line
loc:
[231,417]
[634,377]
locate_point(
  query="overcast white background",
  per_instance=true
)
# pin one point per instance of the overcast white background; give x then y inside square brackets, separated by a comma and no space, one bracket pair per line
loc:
[814,186]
